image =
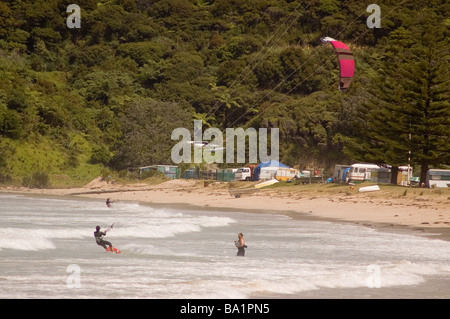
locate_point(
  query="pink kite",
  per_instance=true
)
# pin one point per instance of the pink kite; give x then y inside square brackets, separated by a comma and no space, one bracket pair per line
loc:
[346,62]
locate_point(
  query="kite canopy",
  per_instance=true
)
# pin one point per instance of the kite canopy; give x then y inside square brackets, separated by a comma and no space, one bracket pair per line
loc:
[346,62]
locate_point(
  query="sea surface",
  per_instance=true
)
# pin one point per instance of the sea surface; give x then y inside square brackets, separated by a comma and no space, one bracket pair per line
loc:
[47,250]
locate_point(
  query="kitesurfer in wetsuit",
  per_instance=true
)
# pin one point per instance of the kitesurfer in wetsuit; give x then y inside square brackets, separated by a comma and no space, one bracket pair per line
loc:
[240,244]
[99,238]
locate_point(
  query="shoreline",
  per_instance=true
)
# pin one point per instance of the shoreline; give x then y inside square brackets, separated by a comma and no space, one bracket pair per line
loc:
[427,216]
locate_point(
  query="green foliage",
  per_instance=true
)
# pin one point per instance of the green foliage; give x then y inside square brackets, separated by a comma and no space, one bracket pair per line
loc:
[147,126]
[142,52]
[101,154]
[9,123]
[37,180]
[108,94]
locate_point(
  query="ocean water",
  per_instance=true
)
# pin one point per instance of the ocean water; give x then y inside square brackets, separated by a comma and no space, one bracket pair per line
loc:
[47,250]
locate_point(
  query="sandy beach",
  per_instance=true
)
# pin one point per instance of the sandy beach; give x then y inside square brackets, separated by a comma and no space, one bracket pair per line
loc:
[427,211]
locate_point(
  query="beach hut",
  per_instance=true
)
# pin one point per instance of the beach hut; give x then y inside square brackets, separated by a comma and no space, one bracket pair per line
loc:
[404,174]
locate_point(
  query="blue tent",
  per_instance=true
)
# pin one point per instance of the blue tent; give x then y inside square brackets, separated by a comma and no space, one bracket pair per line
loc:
[271,163]
[344,174]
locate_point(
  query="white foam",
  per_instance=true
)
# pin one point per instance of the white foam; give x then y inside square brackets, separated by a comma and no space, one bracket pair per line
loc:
[154,231]
[20,240]
[12,196]
[24,244]
[392,274]
[35,239]
[163,224]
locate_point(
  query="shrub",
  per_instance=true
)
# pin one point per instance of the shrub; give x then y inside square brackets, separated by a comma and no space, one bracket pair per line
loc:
[37,180]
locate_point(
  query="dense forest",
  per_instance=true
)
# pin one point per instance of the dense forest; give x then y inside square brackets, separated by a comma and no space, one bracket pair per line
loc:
[107,95]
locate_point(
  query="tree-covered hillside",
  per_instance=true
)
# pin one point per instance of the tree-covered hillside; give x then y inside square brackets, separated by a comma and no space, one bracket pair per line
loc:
[108,94]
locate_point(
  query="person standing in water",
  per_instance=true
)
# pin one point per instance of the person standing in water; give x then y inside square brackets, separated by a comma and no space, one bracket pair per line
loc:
[240,244]
[99,238]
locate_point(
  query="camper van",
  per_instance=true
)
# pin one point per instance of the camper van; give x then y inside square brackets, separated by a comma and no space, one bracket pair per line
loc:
[359,173]
[438,178]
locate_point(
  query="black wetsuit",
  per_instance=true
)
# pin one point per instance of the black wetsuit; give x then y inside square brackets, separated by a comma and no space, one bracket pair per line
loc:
[99,239]
[241,251]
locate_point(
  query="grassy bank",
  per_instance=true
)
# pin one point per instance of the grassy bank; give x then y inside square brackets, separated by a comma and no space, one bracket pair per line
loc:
[320,189]
[43,163]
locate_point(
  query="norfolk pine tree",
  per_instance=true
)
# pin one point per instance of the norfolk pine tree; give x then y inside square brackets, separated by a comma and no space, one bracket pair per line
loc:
[409,105]
[426,76]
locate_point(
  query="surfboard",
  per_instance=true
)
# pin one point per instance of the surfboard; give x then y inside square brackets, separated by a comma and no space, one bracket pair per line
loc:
[114,250]
[369,189]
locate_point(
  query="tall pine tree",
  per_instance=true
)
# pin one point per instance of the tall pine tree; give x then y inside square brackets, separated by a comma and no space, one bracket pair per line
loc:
[409,107]
[425,75]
